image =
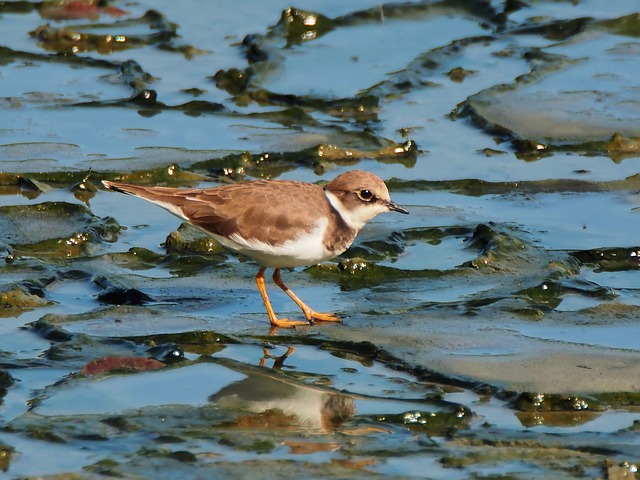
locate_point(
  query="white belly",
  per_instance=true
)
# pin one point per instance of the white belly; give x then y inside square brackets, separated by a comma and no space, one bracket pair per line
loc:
[306,249]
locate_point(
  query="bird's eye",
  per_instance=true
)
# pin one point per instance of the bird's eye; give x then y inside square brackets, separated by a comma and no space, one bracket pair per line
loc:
[365,195]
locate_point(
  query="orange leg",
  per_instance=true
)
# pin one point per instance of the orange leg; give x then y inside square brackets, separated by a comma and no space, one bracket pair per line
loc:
[310,314]
[275,321]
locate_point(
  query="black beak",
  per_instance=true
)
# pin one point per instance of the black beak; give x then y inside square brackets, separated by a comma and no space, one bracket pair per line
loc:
[397,208]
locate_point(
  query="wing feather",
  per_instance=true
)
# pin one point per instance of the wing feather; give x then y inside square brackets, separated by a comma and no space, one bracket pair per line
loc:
[270,211]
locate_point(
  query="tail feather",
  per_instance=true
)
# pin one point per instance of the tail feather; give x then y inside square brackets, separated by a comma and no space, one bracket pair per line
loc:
[164,197]
[118,187]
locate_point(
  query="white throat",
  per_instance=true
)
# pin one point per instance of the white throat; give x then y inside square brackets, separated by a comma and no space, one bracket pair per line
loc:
[353,218]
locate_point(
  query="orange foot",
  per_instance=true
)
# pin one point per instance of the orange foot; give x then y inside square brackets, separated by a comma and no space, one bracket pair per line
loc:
[312,315]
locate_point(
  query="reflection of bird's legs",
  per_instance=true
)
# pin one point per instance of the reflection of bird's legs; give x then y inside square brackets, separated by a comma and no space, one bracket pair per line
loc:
[275,321]
[278,361]
[309,313]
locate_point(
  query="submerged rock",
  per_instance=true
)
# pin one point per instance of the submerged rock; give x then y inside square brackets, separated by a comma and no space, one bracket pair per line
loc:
[54,229]
[15,299]
[109,364]
[547,109]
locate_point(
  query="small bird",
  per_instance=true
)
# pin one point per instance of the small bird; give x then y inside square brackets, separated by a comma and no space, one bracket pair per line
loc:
[278,223]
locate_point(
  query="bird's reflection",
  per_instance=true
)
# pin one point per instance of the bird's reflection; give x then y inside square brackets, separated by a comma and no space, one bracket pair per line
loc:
[278,362]
[268,400]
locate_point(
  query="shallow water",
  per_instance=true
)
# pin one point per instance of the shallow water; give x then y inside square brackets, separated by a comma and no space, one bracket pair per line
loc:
[491,333]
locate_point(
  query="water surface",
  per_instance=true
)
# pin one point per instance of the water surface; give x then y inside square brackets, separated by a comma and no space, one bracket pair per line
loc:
[490,333]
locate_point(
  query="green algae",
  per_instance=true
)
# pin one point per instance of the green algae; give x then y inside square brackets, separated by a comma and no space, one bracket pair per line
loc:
[54,229]
[14,300]
[268,163]
[190,239]
[68,40]
[433,424]
[610,259]
[628,25]
[356,273]
[6,382]
[136,258]
[556,460]
[538,402]
[477,187]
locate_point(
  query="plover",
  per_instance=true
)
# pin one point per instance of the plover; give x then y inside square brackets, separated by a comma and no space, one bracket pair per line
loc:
[278,223]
